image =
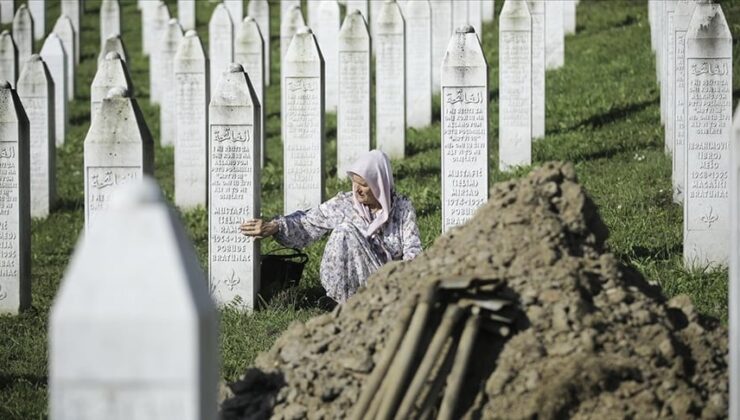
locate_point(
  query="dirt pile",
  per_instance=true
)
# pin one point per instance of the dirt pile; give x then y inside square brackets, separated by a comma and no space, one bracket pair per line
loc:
[591,339]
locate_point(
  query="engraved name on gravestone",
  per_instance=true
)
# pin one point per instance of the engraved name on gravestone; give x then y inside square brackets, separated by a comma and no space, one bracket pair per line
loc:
[141,340]
[441,33]
[418,17]
[191,98]
[303,143]
[112,72]
[160,22]
[326,34]
[353,112]
[110,20]
[555,42]
[260,11]
[55,58]
[113,44]
[666,89]
[515,85]
[249,52]
[390,81]
[23,35]
[8,58]
[233,189]
[71,9]
[537,10]
[220,43]
[167,117]
[118,151]
[186,14]
[15,212]
[38,13]
[709,101]
[66,33]
[464,128]
[36,91]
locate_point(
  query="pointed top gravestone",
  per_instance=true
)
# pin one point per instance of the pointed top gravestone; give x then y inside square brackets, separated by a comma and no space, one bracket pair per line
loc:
[55,58]
[113,44]
[260,11]
[291,21]
[64,29]
[110,20]
[220,43]
[38,14]
[23,34]
[418,16]
[441,33]
[72,9]
[112,72]
[167,117]
[36,90]
[250,53]
[390,81]
[360,5]
[8,58]
[15,219]
[133,333]
[186,14]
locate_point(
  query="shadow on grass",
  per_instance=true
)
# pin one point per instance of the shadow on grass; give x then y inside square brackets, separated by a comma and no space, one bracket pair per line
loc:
[68,205]
[608,117]
[8,381]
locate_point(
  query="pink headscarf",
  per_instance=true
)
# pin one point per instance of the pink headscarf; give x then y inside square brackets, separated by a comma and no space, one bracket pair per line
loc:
[375,168]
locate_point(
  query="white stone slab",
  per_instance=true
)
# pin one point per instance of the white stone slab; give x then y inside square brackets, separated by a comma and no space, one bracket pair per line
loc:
[112,72]
[464,128]
[666,59]
[709,101]
[260,11]
[15,217]
[36,91]
[515,85]
[327,32]
[168,106]
[7,8]
[55,58]
[734,280]
[292,20]
[148,12]
[555,30]
[186,14]
[475,16]
[459,14]
[249,51]
[360,5]
[220,44]
[236,10]
[72,9]
[312,9]
[160,21]
[286,5]
[659,9]
[537,11]
[64,29]
[488,10]
[110,20]
[23,35]
[113,44]
[303,141]
[353,112]
[569,16]
[133,333]
[8,58]
[234,189]
[682,16]
[418,17]
[191,78]
[442,24]
[390,82]
[38,12]
[375,7]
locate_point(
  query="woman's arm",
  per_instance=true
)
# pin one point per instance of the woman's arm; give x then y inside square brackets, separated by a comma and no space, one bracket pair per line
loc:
[410,231]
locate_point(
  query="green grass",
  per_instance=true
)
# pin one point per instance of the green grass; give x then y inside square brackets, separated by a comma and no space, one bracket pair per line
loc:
[602,112]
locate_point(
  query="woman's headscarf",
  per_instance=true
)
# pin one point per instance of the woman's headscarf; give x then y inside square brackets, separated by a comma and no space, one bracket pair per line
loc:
[375,168]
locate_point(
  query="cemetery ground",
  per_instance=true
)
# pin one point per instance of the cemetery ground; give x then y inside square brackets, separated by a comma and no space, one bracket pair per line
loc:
[602,115]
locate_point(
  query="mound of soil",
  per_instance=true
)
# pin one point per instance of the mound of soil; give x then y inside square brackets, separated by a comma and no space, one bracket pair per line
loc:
[592,339]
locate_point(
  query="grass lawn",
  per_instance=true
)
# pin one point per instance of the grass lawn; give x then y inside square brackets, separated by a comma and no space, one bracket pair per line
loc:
[602,114]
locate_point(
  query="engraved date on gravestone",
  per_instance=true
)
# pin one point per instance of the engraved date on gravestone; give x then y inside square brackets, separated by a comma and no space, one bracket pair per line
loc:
[102,181]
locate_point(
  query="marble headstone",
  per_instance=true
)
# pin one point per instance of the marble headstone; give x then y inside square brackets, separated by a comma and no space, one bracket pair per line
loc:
[537,11]
[353,112]
[291,21]
[709,111]
[375,7]
[113,44]
[38,13]
[260,11]
[148,12]
[220,43]
[23,34]
[515,85]
[36,91]
[167,106]
[64,29]
[464,128]
[390,81]
[360,5]
[15,214]
[112,72]
[236,10]
[285,6]
[186,14]
[569,16]
[133,333]
[555,40]
[303,141]
[160,21]
[72,9]
[312,8]
[233,189]
[734,278]
[418,16]
[441,33]
[488,10]
[666,89]
[249,51]
[55,58]
[327,32]
[191,90]
[7,8]
[110,20]
[8,58]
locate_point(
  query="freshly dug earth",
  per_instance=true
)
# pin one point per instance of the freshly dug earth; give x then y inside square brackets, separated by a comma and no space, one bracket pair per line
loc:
[593,338]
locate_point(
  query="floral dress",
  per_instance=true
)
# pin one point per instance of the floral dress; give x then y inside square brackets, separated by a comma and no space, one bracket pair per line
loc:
[349,257]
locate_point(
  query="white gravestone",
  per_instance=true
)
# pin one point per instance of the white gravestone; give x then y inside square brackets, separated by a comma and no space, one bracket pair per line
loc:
[6,11]
[285,6]
[66,33]
[515,85]
[36,90]
[71,9]
[8,58]
[488,10]
[220,43]
[353,112]
[537,10]
[659,9]
[160,21]
[418,16]
[569,16]
[191,90]
[133,334]
[38,12]
[233,189]
[459,13]
[475,16]
[118,151]
[360,5]
[167,117]
[303,143]
[260,11]
[390,81]
[236,9]
[375,7]
[327,32]
[113,44]
[55,58]
[709,101]
[15,217]
[186,14]
[681,18]
[148,11]
[441,33]
[292,20]
[23,35]
[112,72]
[312,7]
[555,41]
[464,128]
[734,279]
[249,51]
[666,96]
[110,20]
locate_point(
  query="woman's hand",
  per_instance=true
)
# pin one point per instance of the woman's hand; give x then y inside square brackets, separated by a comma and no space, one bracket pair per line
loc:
[258,228]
